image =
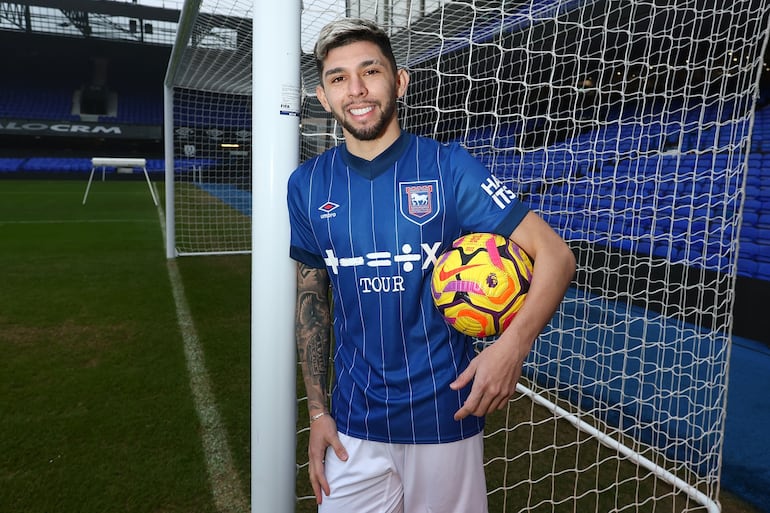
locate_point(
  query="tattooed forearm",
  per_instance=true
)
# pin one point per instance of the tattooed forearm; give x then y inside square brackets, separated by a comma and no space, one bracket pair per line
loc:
[312,326]
[312,329]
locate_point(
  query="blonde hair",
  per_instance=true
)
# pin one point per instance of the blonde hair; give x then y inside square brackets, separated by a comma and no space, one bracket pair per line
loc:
[345,31]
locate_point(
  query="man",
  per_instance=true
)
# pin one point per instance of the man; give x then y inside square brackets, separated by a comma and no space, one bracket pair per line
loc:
[404,432]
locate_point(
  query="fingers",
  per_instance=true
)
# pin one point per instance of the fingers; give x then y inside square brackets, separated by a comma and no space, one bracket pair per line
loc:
[486,396]
[338,449]
[465,377]
[493,374]
[318,479]
[316,472]
[482,404]
[478,404]
[323,436]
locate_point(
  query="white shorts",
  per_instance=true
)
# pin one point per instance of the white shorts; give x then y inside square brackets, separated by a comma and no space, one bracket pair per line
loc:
[397,478]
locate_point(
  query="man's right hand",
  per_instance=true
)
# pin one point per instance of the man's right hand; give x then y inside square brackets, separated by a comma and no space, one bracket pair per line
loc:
[323,434]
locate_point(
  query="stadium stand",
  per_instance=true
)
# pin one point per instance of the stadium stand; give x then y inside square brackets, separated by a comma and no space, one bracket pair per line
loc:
[645,148]
[72,87]
[36,103]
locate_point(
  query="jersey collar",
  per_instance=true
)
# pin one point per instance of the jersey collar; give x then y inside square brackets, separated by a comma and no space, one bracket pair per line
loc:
[371,169]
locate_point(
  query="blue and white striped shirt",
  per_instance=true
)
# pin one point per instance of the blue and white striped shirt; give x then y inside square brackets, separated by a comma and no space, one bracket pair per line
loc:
[378,227]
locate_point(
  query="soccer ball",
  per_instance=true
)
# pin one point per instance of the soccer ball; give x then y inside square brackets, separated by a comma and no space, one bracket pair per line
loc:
[480,283]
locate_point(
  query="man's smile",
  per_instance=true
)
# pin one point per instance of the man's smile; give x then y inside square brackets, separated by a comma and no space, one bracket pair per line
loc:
[360,111]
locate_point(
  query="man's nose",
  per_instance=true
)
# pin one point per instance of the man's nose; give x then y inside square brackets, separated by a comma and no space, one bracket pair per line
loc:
[356,86]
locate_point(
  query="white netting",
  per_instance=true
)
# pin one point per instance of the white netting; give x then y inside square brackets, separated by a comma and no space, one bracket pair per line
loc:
[210,81]
[626,125]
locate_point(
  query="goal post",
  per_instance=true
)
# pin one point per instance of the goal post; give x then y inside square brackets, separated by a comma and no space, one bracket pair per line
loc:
[276,109]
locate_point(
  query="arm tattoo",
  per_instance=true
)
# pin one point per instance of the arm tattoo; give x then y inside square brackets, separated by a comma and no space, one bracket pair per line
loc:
[312,328]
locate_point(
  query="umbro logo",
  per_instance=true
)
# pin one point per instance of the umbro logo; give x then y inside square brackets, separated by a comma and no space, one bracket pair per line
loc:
[327,209]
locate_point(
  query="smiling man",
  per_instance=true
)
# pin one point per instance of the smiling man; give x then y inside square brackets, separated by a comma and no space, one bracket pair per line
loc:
[359,86]
[403,429]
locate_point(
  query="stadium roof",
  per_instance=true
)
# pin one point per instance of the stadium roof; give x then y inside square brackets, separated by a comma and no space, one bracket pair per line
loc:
[94,19]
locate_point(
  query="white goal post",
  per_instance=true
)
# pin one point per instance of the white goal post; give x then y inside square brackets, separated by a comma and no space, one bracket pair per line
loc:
[626,124]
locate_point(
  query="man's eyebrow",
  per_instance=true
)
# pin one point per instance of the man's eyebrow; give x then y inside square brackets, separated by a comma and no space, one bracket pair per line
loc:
[363,64]
[371,62]
[333,71]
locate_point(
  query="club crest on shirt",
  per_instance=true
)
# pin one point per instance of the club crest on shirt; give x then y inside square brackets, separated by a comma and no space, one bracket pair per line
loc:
[419,200]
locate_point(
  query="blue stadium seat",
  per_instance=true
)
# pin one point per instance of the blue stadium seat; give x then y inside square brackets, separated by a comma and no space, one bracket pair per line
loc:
[57,165]
[616,170]
[11,165]
[762,271]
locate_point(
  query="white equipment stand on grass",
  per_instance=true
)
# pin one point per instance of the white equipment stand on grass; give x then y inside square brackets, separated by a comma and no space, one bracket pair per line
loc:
[104,162]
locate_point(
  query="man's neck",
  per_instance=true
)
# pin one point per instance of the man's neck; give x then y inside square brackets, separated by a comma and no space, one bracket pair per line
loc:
[370,150]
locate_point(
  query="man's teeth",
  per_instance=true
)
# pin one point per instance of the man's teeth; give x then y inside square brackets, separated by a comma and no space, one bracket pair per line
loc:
[359,112]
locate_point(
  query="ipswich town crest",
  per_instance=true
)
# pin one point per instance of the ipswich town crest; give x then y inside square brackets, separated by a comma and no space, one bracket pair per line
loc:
[419,200]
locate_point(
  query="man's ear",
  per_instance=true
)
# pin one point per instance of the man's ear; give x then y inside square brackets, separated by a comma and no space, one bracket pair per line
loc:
[321,94]
[402,80]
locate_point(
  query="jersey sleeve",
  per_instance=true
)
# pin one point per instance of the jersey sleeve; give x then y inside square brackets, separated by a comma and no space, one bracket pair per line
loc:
[303,247]
[485,204]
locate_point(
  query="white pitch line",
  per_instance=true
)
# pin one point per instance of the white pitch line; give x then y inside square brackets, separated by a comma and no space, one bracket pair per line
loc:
[225,482]
[76,221]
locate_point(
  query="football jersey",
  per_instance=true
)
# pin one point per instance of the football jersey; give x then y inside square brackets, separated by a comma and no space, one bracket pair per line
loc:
[378,228]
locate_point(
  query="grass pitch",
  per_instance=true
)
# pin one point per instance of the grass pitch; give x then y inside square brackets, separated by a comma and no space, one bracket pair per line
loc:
[96,412]
[96,408]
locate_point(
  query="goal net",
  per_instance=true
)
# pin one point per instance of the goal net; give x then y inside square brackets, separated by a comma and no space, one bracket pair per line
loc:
[626,125]
[207,129]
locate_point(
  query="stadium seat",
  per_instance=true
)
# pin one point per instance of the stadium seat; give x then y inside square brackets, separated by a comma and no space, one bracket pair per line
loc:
[762,271]
[11,165]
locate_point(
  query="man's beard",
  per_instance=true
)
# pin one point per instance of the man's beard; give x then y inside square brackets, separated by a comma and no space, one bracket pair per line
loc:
[374,131]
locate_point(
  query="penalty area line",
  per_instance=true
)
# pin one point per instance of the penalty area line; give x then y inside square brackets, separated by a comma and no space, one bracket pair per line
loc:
[223,477]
